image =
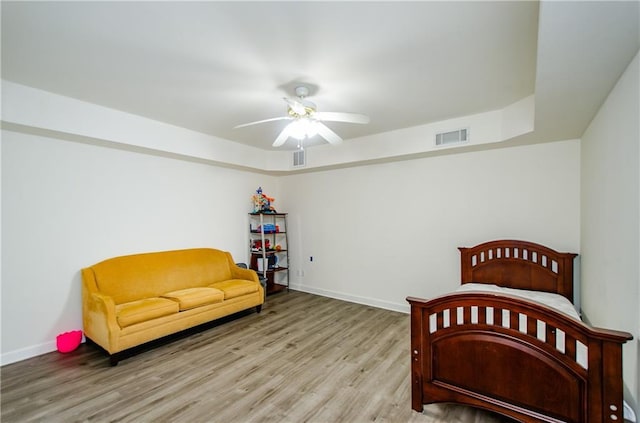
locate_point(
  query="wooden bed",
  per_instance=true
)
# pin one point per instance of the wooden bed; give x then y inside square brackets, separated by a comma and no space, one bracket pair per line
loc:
[506,354]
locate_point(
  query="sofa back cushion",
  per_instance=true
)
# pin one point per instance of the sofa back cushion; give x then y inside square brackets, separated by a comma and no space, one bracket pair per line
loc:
[131,278]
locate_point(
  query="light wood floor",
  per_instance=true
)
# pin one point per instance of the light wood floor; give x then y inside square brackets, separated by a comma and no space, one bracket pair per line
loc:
[305,358]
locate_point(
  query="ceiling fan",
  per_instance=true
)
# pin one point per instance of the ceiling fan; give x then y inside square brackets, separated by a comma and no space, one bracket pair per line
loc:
[306,121]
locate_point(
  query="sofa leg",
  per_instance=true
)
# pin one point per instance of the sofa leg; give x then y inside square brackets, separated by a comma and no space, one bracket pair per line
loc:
[259,308]
[114,359]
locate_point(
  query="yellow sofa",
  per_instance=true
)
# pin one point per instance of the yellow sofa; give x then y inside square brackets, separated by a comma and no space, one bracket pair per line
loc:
[130,300]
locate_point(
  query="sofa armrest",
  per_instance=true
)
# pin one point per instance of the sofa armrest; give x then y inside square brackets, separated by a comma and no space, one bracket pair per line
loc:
[240,273]
[99,320]
[105,305]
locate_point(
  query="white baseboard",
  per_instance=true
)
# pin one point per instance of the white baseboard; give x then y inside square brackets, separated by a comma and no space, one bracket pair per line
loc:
[387,305]
[28,352]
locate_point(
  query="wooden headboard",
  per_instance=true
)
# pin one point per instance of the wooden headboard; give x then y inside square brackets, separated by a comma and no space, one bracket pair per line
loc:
[519,264]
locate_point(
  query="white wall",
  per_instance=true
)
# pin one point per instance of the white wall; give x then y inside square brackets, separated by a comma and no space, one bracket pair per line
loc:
[67,205]
[382,232]
[610,214]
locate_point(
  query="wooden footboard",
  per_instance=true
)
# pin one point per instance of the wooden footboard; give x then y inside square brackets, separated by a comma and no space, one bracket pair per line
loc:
[514,357]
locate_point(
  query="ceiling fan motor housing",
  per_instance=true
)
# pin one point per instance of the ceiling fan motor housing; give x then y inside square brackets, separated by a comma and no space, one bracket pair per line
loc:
[309,109]
[302,91]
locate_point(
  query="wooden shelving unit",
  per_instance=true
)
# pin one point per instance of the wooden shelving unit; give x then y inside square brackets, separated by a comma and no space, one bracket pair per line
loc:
[268,246]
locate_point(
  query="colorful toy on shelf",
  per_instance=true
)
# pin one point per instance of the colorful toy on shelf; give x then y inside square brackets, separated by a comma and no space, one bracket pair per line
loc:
[262,202]
[257,245]
[268,228]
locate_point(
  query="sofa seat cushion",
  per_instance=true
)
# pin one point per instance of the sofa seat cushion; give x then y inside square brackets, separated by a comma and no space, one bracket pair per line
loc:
[195,297]
[236,287]
[139,311]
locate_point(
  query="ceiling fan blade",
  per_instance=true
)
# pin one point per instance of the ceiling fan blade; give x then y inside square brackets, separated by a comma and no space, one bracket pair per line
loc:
[342,117]
[262,121]
[328,134]
[284,135]
[297,107]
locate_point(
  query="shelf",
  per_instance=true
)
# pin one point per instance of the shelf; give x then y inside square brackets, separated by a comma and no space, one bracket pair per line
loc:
[275,288]
[259,253]
[276,269]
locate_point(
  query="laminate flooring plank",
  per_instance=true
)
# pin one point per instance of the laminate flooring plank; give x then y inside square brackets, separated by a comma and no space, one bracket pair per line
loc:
[304,358]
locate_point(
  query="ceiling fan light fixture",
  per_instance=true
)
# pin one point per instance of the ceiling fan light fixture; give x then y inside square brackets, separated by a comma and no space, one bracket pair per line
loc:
[297,130]
[302,128]
[311,127]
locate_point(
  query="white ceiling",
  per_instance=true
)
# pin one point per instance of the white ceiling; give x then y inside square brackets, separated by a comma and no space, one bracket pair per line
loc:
[209,66]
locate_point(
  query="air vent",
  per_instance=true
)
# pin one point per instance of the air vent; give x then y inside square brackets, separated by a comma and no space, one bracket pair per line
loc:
[453,137]
[299,158]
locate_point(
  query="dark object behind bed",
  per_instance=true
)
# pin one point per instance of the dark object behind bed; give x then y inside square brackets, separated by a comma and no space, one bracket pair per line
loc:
[462,351]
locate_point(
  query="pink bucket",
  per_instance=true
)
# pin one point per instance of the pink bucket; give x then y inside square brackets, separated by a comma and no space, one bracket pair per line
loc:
[68,341]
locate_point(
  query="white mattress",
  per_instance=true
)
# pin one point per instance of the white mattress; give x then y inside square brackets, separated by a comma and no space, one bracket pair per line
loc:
[555,301]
